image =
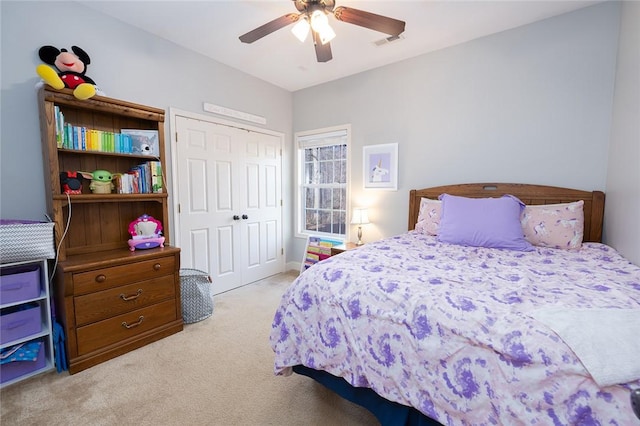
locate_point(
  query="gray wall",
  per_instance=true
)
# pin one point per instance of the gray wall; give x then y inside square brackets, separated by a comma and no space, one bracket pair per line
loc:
[622,217]
[533,104]
[529,105]
[126,63]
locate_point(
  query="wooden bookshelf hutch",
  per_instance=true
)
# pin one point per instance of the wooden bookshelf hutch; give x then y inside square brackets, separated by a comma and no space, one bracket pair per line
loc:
[109,299]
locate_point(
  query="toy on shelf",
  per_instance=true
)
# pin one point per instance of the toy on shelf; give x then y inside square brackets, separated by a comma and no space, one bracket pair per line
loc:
[101,181]
[146,233]
[71,182]
[62,69]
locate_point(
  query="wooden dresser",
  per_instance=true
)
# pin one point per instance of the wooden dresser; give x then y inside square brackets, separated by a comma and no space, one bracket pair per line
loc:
[113,302]
[109,299]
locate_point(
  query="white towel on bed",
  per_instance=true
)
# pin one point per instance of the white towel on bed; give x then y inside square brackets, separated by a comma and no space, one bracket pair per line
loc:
[607,341]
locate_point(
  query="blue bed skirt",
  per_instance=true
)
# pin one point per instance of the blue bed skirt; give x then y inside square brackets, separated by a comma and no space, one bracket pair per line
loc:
[387,412]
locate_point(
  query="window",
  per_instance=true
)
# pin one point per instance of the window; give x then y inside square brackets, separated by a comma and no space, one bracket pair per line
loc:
[323,181]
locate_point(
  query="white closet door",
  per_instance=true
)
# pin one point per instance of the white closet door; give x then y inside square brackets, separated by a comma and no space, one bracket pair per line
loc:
[229,192]
[261,210]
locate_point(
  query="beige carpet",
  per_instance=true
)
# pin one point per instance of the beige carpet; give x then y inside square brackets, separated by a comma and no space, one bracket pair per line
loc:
[216,372]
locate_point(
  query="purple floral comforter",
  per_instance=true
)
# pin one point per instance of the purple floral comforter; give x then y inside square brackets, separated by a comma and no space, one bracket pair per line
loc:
[446,329]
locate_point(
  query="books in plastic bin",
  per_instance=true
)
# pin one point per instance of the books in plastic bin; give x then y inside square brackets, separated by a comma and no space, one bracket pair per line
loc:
[318,249]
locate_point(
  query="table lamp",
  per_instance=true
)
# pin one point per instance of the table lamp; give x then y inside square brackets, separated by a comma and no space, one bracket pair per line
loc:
[359,217]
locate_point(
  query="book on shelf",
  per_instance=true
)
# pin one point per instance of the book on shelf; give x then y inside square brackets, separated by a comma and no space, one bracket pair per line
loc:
[74,141]
[59,117]
[157,181]
[144,178]
[83,138]
[69,136]
[143,142]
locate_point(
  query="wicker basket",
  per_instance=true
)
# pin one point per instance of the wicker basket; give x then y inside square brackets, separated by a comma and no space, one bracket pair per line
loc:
[25,240]
[197,302]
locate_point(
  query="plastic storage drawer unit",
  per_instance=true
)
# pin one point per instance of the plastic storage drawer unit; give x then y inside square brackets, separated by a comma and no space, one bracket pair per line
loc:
[19,283]
[16,368]
[19,322]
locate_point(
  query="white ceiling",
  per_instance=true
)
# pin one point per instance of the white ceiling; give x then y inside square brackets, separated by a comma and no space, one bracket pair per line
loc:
[212,28]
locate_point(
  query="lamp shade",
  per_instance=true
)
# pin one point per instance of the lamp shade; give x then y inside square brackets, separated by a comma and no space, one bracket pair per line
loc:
[360,216]
[301,29]
[320,24]
[319,20]
[327,34]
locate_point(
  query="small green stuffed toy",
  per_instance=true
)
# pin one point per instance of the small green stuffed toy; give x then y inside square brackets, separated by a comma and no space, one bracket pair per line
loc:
[66,69]
[101,181]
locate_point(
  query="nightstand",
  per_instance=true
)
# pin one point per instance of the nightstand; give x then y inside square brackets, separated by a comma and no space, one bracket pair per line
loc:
[342,247]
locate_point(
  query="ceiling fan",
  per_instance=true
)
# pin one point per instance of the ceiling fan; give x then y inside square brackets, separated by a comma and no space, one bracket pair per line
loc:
[313,18]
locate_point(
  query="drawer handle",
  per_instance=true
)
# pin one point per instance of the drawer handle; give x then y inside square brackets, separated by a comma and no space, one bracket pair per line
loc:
[156,267]
[128,298]
[101,278]
[135,324]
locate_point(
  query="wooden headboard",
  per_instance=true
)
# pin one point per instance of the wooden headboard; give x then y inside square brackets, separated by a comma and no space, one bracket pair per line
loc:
[529,194]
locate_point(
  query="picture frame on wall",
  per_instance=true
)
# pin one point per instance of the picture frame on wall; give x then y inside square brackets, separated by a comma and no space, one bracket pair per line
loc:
[380,166]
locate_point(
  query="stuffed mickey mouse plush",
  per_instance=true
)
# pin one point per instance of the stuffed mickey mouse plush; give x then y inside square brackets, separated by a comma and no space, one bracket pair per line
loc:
[69,71]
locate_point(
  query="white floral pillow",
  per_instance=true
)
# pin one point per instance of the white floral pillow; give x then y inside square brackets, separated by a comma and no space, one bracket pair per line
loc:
[554,225]
[429,216]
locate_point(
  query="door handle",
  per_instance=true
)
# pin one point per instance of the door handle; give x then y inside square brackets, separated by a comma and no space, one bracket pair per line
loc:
[244,216]
[236,217]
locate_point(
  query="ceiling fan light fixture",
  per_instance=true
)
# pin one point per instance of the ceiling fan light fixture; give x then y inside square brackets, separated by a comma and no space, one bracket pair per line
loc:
[326,34]
[319,20]
[313,15]
[320,24]
[301,29]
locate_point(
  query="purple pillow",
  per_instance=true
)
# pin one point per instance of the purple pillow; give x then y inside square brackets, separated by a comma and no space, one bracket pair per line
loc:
[482,222]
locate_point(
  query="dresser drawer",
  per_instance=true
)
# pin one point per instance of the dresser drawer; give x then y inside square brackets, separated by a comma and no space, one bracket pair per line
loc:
[101,279]
[119,300]
[117,329]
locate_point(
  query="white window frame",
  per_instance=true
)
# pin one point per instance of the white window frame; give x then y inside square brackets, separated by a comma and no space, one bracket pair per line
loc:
[317,138]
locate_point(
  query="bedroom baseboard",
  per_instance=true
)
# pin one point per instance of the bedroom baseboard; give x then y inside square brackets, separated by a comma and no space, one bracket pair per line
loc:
[293,266]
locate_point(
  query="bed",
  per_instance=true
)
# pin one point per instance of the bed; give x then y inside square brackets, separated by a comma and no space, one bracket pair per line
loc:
[423,331]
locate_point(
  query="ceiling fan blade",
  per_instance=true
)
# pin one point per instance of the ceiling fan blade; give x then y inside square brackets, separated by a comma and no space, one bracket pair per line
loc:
[323,51]
[369,20]
[269,27]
